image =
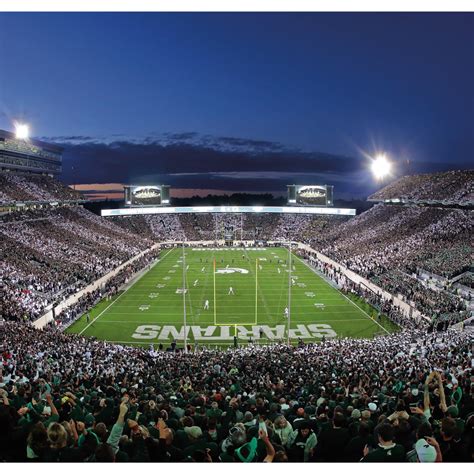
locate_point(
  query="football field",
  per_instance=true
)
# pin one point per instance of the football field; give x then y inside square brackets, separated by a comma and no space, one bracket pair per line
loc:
[252,293]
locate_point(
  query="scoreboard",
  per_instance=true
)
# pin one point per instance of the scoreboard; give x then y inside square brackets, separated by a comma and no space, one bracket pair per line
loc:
[147,195]
[310,195]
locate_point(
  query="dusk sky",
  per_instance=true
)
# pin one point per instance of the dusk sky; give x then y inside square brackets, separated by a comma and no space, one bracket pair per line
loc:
[242,102]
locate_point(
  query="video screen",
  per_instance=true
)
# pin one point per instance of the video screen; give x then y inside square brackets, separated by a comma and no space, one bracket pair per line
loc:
[310,195]
[143,196]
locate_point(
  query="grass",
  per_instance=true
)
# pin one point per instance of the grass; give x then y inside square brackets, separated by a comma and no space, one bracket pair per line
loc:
[151,310]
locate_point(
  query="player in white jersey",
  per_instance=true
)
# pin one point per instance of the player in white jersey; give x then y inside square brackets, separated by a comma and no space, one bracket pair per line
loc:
[231,291]
[206,304]
[286,312]
[195,282]
[279,271]
[202,269]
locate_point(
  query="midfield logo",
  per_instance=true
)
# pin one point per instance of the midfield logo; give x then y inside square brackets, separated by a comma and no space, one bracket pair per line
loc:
[231,270]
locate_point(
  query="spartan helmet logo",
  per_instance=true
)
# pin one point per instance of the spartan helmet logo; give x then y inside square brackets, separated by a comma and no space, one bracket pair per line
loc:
[231,270]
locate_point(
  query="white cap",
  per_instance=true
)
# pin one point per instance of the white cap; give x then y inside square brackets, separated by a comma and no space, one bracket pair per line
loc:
[424,451]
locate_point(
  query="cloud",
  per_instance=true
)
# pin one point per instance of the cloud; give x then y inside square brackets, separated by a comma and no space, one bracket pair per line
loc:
[191,160]
[181,136]
[259,145]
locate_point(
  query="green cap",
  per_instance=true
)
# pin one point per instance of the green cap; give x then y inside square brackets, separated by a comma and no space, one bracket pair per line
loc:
[89,420]
[453,411]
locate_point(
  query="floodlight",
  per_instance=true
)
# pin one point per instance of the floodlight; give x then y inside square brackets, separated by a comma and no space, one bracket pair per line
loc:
[381,166]
[22,131]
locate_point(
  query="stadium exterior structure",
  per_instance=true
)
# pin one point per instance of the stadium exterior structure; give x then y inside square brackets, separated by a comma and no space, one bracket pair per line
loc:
[29,155]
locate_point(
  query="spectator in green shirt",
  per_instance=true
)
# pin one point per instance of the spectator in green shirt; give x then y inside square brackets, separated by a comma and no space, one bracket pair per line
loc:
[387,450]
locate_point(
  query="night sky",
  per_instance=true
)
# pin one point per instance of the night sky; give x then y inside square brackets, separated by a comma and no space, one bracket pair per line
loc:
[247,102]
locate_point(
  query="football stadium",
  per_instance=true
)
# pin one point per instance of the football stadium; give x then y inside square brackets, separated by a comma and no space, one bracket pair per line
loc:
[224,333]
[192,296]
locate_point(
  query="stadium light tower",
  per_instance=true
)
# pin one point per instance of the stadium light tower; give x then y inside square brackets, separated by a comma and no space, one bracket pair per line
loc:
[22,131]
[381,167]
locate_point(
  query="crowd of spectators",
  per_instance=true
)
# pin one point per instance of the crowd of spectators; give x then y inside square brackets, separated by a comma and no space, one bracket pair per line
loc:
[107,290]
[406,397]
[430,302]
[134,224]
[198,227]
[384,305]
[54,253]
[391,245]
[165,227]
[306,228]
[453,186]
[209,226]
[17,187]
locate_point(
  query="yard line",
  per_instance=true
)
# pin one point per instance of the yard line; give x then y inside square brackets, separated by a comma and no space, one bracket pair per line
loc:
[116,299]
[167,323]
[350,301]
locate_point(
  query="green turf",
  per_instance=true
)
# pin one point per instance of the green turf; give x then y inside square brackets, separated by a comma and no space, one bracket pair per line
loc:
[150,310]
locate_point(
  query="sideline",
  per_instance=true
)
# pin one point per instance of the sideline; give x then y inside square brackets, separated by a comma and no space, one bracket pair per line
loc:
[116,299]
[348,299]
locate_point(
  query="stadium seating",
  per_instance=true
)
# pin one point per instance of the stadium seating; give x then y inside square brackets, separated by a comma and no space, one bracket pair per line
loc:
[66,398]
[452,186]
[52,253]
[404,397]
[29,187]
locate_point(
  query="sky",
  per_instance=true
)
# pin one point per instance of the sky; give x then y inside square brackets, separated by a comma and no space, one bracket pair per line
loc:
[242,102]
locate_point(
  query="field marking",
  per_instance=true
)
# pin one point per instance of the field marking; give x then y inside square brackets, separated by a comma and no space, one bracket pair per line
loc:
[116,299]
[348,299]
[170,315]
[157,307]
[270,278]
[225,288]
[313,321]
